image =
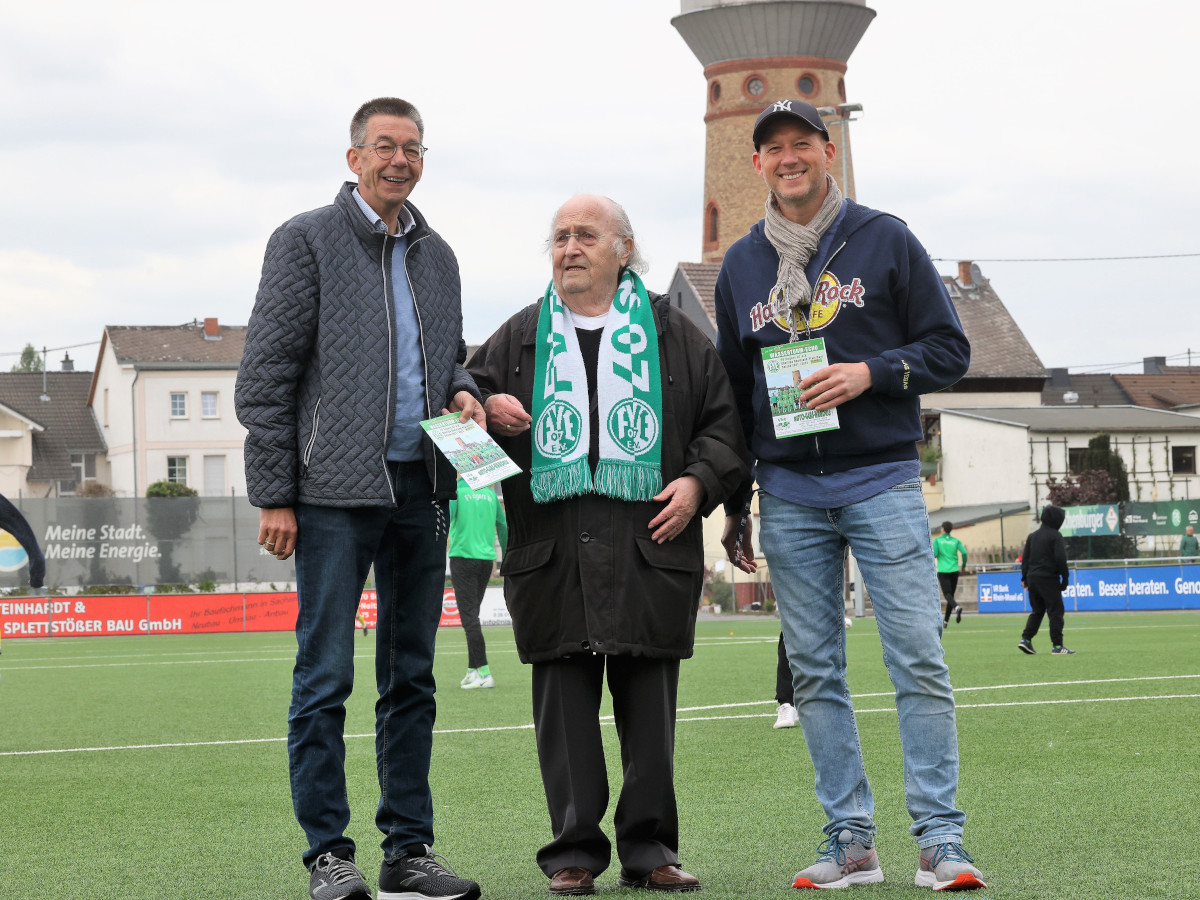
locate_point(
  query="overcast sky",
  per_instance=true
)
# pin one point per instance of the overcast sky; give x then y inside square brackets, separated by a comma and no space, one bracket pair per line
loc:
[149,149]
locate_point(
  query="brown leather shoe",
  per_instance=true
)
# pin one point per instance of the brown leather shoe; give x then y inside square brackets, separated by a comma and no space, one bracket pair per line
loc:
[664,878]
[572,882]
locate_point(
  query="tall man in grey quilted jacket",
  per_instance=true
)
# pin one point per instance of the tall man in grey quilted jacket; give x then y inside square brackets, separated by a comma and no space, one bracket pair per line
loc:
[356,336]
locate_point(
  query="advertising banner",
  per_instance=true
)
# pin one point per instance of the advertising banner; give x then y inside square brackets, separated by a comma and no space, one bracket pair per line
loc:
[143,542]
[1169,517]
[450,617]
[1094,590]
[1083,521]
[1001,592]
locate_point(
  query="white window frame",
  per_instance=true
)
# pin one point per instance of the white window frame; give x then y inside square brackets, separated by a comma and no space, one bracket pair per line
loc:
[171,404]
[176,461]
[216,401]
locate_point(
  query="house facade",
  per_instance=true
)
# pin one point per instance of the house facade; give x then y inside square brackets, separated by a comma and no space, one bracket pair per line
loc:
[163,397]
[50,444]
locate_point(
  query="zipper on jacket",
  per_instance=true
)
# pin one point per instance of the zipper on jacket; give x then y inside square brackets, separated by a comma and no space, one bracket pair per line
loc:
[808,334]
[312,438]
[391,317]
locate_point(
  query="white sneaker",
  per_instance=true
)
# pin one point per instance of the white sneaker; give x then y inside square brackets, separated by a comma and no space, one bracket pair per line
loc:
[474,680]
[786,716]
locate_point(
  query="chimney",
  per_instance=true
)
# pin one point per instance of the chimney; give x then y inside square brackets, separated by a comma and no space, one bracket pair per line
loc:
[212,331]
[1059,378]
[1153,365]
[68,364]
[964,272]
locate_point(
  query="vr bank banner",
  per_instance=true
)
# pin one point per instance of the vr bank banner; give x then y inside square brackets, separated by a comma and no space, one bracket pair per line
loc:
[1143,588]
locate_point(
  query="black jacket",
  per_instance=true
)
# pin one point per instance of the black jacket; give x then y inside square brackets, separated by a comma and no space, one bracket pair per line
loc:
[1045,554]
[582,574]
[316,387]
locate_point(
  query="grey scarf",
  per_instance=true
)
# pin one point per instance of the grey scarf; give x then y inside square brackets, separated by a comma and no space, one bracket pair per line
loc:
[796,245]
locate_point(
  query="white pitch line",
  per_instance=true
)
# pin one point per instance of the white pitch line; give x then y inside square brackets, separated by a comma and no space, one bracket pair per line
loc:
[604,720]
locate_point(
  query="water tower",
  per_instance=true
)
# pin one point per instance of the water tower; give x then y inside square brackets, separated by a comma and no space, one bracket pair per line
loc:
[755,52]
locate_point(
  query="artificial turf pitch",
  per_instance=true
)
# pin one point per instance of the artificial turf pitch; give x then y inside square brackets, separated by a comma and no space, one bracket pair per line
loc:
[156,766]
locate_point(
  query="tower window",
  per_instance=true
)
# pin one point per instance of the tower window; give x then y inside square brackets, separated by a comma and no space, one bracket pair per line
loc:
[807,85]
[712,225]
[714,92]
[842,89]
[756,86]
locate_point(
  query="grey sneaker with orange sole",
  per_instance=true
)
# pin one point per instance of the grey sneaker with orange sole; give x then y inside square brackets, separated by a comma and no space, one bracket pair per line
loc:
[843,860]
[946,867]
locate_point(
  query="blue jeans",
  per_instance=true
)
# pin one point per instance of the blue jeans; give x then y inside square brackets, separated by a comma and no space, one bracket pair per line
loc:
[889,534]
[335,549]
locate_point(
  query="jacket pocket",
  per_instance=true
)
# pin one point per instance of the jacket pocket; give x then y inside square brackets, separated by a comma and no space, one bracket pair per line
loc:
[527,557]
[672,555]
[312,438]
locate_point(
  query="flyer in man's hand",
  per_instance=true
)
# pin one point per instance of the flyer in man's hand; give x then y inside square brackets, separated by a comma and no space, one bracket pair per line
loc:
[476,457]
[786,366]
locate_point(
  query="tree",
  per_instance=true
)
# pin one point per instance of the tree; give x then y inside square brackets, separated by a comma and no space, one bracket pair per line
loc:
[1102,479]
[172,509]
[31,360]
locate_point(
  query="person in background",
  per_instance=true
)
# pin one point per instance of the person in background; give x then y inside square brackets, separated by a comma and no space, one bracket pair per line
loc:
[14,523]
[947,550]
[476,519]
[1045,575]
[1189,544]
[785,714]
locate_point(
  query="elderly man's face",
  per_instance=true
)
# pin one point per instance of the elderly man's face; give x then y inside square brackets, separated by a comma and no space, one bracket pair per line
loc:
[1191,531]
[585,266]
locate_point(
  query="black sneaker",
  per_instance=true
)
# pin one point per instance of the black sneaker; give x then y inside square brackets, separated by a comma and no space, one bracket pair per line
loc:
[958,614]
[337,879]
[1061,650]
[417,877]
[1026,647]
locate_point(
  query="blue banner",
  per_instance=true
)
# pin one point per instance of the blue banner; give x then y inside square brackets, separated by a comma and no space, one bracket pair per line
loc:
[1001,592]
[1147,587]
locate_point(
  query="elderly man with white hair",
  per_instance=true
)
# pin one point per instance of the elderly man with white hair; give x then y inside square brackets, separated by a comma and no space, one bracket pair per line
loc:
[622,419]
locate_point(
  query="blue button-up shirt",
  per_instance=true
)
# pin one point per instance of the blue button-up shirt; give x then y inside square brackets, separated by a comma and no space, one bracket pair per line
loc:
[405,442]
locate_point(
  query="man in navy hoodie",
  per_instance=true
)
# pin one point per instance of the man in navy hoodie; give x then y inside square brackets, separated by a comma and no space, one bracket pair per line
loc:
[821,267]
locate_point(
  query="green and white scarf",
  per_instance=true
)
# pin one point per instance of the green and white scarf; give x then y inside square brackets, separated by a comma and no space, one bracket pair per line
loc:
[628,393]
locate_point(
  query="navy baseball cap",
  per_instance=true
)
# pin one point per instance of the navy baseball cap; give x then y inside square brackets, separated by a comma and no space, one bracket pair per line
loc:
[795,109]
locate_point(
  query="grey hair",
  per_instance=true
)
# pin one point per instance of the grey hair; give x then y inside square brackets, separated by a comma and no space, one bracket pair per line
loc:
[383,106]
[637,262]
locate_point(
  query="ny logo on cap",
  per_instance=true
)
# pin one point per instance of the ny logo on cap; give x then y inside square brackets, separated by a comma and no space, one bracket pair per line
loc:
[782,106]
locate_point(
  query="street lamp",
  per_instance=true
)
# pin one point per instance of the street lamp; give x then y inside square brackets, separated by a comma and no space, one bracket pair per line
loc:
[841,115]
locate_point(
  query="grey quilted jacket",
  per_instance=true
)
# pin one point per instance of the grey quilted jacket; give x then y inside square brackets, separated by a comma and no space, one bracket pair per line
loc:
[316,387]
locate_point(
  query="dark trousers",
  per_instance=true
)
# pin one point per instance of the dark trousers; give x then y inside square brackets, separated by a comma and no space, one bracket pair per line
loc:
[784,692]
[470,578]
[948,582]
[566,718]
[335,549]
[1045,599]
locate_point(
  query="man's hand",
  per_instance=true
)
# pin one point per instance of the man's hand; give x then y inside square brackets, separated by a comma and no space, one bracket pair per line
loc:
[729,542]
[467,407]
[682,496]
[277,531]
[505,415]
[834,385]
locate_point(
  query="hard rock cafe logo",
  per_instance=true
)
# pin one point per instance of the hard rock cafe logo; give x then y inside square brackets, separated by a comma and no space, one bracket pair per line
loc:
[829,296]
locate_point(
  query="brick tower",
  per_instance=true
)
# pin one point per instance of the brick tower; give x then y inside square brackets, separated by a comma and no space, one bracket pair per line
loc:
[755,52]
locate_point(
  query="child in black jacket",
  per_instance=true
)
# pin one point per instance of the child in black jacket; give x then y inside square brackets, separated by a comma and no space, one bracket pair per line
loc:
[1045,575]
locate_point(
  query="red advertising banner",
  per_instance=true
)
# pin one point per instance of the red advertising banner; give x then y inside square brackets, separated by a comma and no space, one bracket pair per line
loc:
[22,617]
[271,612]
[368,608]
